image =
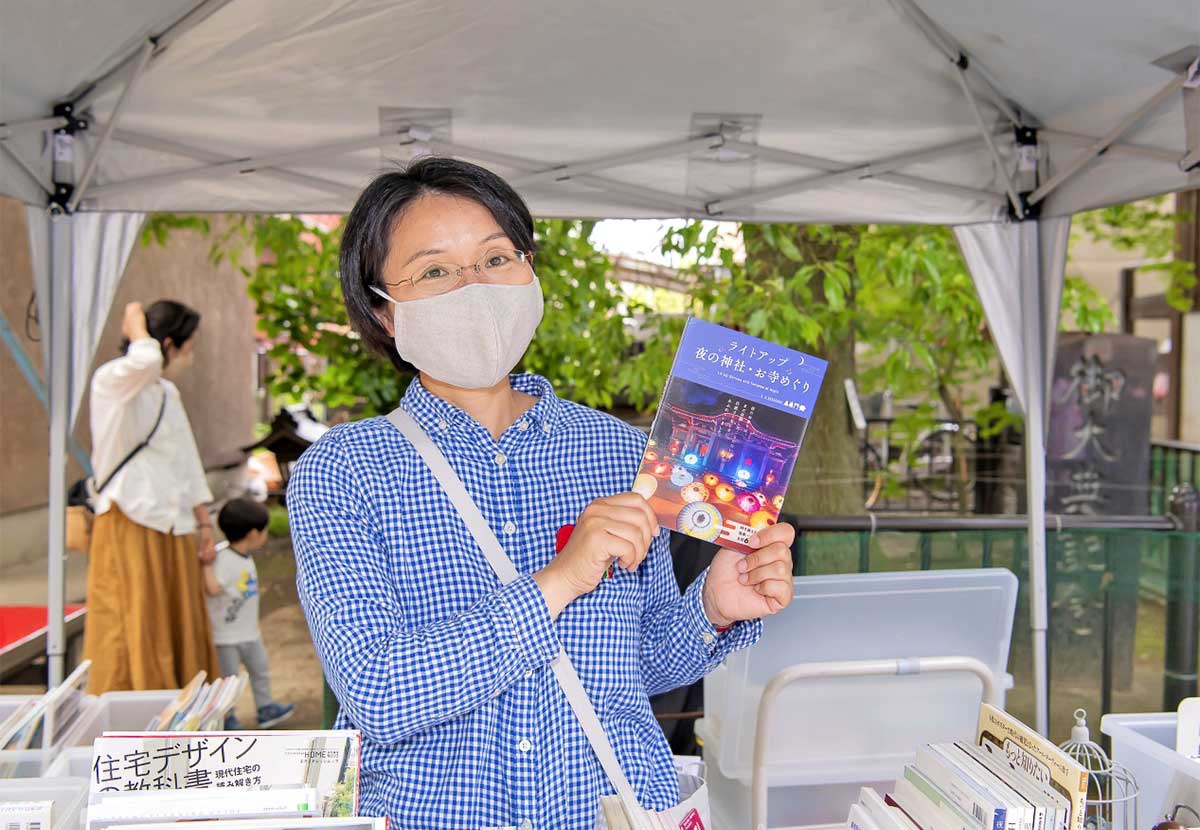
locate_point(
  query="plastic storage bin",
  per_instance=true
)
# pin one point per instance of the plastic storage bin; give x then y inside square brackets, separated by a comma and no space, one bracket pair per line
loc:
[72,762]
[33,763]
[68,794]
[851,732]
[118,712]
[1145,745]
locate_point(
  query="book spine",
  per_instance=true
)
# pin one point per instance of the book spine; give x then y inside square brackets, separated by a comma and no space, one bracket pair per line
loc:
[948,779]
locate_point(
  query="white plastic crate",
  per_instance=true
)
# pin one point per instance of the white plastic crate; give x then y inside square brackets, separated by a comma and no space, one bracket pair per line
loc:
[72,762]
[33,763]
[1145,745]
[805,805]
[838,734]
[68,794]
[118,712]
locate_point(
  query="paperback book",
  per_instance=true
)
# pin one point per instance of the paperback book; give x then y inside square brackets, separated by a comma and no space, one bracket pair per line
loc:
[727,434]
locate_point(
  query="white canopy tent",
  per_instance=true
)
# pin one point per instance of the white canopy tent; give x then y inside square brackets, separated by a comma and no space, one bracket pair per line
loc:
[1002,119]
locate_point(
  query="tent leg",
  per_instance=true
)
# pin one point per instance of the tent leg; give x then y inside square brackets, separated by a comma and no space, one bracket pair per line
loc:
[1035,473]
[1033,332]
[59,373]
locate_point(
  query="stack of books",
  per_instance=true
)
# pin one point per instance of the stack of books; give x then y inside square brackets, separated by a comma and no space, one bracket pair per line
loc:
[41,722]
[200,706]
[243,780]
[1008,778]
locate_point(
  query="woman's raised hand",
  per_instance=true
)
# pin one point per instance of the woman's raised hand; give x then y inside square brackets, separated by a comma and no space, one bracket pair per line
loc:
[613,529]
[133,323]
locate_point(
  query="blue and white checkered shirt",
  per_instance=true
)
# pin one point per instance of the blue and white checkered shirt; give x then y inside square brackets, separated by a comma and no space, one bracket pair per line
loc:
[446,672]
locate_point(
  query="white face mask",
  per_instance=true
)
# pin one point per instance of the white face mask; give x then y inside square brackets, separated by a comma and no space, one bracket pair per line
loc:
[471,337]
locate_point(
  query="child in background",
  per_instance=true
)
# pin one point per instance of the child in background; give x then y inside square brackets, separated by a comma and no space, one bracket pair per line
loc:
[232,586]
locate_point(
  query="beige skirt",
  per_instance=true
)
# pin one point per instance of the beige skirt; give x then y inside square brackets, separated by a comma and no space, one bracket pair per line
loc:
[147,620]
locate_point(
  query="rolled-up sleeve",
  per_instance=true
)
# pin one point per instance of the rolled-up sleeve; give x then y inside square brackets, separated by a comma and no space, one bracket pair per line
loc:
[679,643]
[393,681]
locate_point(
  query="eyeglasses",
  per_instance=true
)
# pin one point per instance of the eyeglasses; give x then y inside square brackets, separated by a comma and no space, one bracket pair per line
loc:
[497,265]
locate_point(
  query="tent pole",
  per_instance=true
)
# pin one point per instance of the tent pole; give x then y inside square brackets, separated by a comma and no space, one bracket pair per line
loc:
[568,171]
[1033,315]
[1133,150]
[25,168]
[954,53]
[58,373]
[162,145]
[251,164]
[1013,198]
[193,17]
[143,60]
[654,198]
[37,125]
[881,169]
[1100,145]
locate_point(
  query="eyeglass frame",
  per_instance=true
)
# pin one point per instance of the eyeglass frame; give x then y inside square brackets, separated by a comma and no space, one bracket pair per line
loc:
[525,257]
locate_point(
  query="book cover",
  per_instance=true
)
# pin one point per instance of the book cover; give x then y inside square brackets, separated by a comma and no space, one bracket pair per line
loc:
[727,434]
[1036,757]
[326,761]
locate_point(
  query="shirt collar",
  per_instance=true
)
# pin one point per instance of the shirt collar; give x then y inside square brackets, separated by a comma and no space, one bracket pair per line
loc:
[437,416]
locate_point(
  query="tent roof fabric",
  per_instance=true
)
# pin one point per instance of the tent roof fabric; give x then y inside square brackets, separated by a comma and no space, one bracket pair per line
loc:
[526,87]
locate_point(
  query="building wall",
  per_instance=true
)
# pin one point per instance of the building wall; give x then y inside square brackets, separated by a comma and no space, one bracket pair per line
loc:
[218,392]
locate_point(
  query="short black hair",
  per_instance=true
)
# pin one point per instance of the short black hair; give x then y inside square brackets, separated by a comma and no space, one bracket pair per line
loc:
[241,517]
[366,235]
[169,320]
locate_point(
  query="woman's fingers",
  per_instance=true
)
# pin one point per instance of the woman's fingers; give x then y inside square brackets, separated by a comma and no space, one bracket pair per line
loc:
[776,569]
[777,592]
[781,533]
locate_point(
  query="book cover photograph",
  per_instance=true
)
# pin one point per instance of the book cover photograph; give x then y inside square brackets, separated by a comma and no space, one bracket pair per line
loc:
[727,435]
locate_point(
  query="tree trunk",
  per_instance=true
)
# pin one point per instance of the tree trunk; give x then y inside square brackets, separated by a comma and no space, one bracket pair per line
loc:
[828,479]
[829,475]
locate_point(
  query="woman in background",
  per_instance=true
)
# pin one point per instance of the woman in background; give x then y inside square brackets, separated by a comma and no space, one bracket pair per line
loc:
[147,622]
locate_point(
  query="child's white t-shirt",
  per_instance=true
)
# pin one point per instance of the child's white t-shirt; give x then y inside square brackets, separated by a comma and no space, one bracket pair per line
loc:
[234,613]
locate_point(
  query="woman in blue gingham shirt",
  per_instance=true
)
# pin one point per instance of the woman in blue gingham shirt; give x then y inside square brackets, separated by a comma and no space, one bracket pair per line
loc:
[445,671]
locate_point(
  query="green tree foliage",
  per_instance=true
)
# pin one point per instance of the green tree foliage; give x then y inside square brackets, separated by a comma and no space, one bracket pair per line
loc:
[291,267]
[1146,230]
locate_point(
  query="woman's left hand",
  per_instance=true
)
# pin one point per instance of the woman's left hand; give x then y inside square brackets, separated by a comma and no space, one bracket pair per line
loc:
[746,586]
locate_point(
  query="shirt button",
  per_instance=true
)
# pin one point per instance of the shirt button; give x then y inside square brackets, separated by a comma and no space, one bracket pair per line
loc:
[546,428]
[442,425]
[523,425]
[529,674]
[525,824]
[707,638]
[500,458]
[510,528]
[524,745]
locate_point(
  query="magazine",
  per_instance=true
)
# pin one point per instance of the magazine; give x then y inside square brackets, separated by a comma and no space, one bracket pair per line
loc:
[182,702]
[1035,756]
[128,765]
[276,824]
[727,434]
[43,722]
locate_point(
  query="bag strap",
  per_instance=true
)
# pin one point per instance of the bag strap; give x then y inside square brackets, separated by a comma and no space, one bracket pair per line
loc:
[161,408]
[493,551]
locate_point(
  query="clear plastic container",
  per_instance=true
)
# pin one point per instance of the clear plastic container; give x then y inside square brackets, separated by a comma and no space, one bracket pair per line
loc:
[805,805]
[68,794]
[72,762]
[118,712]
[1145,745]
[861,730]
[33,762]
